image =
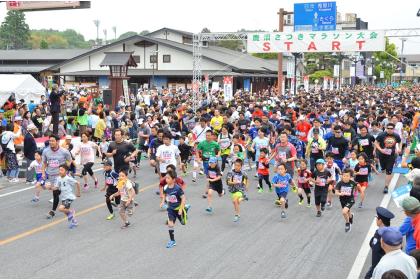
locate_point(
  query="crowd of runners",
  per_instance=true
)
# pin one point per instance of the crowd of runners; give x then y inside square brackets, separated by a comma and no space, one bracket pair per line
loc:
[314,148]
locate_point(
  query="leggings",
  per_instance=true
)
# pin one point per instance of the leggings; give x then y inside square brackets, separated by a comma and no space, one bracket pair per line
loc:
[87,168]
[224,161]
[266,178]
[56,199]
[108,202]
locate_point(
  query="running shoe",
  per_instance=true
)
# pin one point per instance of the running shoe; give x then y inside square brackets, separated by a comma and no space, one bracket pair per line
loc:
[35,199]
[283,215]
[286,205]
[194,180]
[277,202]
[246,197]
[308,205]
[164,206]
[318,214]
[301,202]
[294,189]
[201,172]
[256,175]
[236,218]
[260,190]
[85,187]
[73,224]
[360,205]
[322,208]
[157,192]
[135,204]
[110,217]
[329,204]
[96,183]
[351,218]
[347,228]
[171,244]
[126,225]
[209,210]
[14,180]
[130,212]
[204,196]
[50,215]
[187,207]
[51,200]
[386,190]
[70,215]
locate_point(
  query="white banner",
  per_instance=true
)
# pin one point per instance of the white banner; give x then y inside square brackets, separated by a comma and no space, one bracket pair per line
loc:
[306,83]
[370,71]
[336,71]
[126,92]
[332,84]
[215,86]
[352,71]
[228,88]
[327,41]
[326,80]
[290,69]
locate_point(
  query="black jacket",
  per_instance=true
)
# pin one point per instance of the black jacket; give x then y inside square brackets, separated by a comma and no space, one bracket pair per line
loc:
[29,146]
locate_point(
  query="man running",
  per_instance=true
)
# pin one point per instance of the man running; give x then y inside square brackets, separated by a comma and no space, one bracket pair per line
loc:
[121,151]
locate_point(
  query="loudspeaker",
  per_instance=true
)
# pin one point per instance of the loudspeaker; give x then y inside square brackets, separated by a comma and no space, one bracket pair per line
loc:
[107,96]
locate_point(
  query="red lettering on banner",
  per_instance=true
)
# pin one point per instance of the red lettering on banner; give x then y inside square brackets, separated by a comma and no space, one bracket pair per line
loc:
[288,44]
[360,44]
[312,46]
[335,45]
[266,46]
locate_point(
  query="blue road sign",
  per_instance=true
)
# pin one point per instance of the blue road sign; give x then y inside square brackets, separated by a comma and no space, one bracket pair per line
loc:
[319,16]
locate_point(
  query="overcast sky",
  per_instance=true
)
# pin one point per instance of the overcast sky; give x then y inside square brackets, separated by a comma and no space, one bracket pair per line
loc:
[217,15]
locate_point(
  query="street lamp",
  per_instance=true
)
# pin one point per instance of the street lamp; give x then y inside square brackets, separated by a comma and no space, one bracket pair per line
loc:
[355,58]
[153,67]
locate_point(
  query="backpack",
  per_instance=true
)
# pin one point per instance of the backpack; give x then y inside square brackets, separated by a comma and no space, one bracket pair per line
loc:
[4,145]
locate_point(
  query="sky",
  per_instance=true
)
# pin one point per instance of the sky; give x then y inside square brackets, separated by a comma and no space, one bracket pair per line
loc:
[217,15]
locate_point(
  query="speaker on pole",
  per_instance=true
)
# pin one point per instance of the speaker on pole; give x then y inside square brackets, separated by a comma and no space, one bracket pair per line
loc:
[107,97]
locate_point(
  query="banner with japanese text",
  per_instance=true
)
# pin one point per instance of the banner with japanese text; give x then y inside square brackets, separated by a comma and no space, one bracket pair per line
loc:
[327,41]
[228,87]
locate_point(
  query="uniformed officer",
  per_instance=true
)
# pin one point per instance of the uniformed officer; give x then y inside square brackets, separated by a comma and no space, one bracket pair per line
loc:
[383,219]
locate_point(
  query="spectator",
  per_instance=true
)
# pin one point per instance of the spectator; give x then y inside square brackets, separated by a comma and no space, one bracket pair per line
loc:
[29,148]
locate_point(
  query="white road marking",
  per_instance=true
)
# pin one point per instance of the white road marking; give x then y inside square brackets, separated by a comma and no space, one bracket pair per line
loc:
[360,260]
[32,187]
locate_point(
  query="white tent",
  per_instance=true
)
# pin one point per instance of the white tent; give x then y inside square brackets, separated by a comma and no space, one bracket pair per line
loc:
[24,86]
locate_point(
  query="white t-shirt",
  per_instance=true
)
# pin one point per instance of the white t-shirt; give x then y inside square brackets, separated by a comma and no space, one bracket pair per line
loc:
[200,133]
[146,99]
[169,154]
[87,152]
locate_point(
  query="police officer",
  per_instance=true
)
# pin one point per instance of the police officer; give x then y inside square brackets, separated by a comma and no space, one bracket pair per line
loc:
[383,219]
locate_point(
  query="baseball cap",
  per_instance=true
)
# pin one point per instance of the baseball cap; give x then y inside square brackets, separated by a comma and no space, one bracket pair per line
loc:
[18,118]
[107,162]
[68,137]
[212,160]
[321,161]
[411,204]
[391,236]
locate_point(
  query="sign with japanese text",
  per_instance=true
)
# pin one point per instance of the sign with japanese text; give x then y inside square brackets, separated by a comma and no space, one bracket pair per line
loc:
[228,88]
[306,83]
[315,16]
[328,41]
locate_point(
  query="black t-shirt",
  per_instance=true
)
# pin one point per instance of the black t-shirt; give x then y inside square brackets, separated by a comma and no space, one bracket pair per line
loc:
[124,149]
[387,142]
[365,144]
[213,173]
[347,189]
[243,125]
[321,179]
[316,153]
[364,172]
[339,146]
[185,151]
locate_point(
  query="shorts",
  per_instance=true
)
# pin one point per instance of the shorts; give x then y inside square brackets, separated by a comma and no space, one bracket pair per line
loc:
[281,194]
[173,215]
[250,155]
[87,168]
[217,187]
[320,197]
[363,184]
[153,157]
[306,190]
[66,203]
[346,203]
[40,180]
[387,163]
[236,195]
[124,208]
[51,179]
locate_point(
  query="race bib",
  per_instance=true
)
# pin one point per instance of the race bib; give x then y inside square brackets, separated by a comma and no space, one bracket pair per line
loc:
[171,199]
[53,163]
[346,191]
[320,182]
[281,155]
[243,127]
[364,142]
[363,171]
[335,150]
[387,151]
[315,150]
[109,181]
[301,180]
[261,165]
[212,174]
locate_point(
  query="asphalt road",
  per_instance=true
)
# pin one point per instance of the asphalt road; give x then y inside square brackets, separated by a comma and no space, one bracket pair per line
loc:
[261,245]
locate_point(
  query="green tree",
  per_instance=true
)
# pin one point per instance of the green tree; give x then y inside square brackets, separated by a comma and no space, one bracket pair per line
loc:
[14,31]
[74,39]
[385,61]
[144,32]
[266,55]
[127,34]
[43,44]
[319,75]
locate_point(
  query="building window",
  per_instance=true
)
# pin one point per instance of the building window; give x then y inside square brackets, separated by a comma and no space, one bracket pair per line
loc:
[166,58]
[153,58]
[136,58]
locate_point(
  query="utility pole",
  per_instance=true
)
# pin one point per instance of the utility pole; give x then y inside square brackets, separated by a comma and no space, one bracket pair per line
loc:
[105,34]
[281,14]
[401,61]
[114,29]
[97,22]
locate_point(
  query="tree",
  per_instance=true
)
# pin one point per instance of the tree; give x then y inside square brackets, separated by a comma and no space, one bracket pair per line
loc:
[43,44]
[385,62]
[14,31]
[266,55]
[320,74]
[127,34]
[205,30]
[144,32]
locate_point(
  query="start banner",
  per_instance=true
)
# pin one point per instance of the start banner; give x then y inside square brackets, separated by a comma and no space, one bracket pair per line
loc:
[328,41]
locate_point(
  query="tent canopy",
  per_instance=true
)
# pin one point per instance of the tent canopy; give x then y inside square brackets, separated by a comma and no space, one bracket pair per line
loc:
[24,86]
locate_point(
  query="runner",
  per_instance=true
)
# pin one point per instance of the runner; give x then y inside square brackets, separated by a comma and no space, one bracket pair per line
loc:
[185,152]
[362,172]
[281,182]
[65,185]
[39,182]
[263,170]
[285,153]
[179,181]
[214,178]
[167,154]
[237,181]
[304,176]
[321,178]
[225,142]
[259,143]
[126,192]
[345,190]
[53,156]
[315,148]
[338,146]
[121,151]
[87,150]
[335,171]
[111,180]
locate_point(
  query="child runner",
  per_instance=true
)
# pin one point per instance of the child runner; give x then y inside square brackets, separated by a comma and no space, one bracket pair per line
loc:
[237,180]
[281,182]
[237,153]
[344,189]
[39,183]
[127,193]
[65,185]
[362,171]
[263,170]
[104,147]
[179,181]
[175,199]
[353,161]
[185,152]
[87,150]
[111,180]
[304,176]
[335,171]
[214,177]
[321,178]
